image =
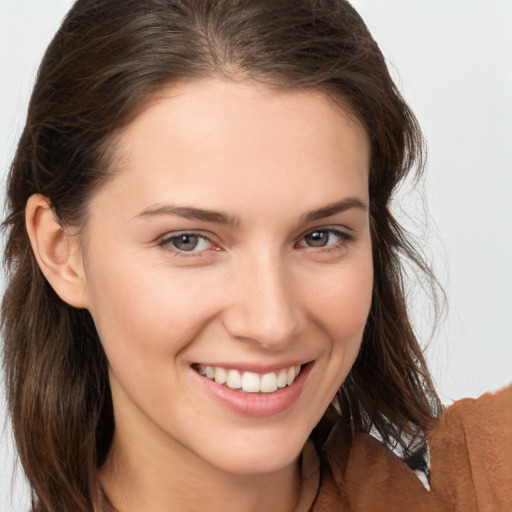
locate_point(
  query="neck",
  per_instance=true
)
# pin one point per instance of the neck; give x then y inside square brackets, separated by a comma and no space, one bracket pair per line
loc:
[140,478]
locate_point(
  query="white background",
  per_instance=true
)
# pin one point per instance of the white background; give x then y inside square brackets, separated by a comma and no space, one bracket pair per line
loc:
[453,61]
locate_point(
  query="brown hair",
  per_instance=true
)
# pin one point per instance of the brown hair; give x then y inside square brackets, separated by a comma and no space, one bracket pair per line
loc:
[108,58]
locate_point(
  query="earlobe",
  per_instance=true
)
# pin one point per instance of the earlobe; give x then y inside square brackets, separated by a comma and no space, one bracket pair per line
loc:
[57,252]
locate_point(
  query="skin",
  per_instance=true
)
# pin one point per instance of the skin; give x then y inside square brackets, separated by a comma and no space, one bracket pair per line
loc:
[254,291]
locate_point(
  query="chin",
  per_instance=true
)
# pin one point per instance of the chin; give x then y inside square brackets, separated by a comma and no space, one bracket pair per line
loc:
[257,456]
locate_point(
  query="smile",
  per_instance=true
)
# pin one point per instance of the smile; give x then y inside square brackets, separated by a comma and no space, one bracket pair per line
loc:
[251,382]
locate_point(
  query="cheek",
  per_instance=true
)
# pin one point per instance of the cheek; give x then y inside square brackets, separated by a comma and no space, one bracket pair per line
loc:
[144,313]
[338,311]
[342,301]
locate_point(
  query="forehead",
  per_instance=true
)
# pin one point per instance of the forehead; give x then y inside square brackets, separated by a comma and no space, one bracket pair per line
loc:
[248,140]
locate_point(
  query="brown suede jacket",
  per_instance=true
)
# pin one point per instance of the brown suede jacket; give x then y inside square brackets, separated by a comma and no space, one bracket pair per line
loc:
[471,466]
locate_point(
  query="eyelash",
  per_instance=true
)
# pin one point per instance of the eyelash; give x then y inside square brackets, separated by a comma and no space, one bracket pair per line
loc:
[344,239]
[167,242]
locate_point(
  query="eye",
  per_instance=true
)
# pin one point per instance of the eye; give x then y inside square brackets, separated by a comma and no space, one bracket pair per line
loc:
[187,242]
[327,237]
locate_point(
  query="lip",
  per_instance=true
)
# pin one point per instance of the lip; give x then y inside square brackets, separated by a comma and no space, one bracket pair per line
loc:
[256,404]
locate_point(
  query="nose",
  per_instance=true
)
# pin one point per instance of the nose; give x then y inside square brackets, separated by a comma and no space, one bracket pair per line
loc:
[263,308]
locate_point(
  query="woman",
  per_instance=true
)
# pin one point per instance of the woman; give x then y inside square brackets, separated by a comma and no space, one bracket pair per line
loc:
[205,273]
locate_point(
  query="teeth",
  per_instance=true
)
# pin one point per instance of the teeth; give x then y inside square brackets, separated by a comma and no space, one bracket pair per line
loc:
[290,375]
[220,376]
[268,383]
[281,379]
[234,379]
[251,382]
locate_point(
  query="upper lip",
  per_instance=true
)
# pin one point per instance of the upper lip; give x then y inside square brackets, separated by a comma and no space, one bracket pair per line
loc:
[255,367]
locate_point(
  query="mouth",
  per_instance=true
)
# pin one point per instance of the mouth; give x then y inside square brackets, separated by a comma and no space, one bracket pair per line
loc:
[250,392]
[250,382]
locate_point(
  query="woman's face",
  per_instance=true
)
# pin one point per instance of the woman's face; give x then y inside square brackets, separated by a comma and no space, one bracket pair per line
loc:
[232,243]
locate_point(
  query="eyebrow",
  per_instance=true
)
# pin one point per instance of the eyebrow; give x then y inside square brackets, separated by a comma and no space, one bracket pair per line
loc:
[334,208]
[189,212]
[218,217]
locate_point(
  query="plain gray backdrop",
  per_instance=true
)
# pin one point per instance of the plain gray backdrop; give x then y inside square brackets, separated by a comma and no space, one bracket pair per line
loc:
[453,61]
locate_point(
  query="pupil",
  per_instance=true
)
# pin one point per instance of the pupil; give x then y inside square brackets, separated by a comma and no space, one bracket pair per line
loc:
[317,239]
[186,242]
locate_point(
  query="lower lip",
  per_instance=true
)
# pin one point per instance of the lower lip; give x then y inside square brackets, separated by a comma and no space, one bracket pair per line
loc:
[257,404]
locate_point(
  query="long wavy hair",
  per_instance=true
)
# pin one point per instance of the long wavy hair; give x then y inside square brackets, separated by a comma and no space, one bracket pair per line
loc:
[108,59]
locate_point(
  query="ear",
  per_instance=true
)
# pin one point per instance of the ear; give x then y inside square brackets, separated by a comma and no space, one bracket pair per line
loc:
[57,252]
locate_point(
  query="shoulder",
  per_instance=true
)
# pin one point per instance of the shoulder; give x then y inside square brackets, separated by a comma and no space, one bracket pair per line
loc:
[471,465]
[361,474]
[471,451]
